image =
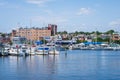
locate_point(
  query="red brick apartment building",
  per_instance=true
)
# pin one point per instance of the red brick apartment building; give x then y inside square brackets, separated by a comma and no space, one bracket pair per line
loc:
[35,33]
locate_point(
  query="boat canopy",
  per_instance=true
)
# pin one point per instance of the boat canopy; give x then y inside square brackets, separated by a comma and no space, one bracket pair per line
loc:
[94,43]
[42,48]
[39,42]
[65,42]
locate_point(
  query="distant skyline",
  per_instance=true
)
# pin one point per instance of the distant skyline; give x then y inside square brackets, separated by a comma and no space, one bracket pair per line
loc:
[69,15]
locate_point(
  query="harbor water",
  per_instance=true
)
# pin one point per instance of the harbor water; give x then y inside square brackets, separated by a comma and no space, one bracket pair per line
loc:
[75,65]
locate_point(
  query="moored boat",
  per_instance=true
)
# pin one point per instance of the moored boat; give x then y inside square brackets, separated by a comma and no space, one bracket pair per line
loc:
[53,51]
[42,50]
[19,51]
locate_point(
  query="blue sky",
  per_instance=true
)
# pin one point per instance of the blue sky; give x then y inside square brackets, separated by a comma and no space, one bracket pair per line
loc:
[69,15]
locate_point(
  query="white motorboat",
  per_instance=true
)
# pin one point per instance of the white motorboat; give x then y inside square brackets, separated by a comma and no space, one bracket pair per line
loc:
[32,50]
[14,51]
[53,51]
[42,50]
[22,51]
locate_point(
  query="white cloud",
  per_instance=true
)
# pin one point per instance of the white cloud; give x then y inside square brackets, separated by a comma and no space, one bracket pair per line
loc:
[38,2]
[115,23]
[6,4]
[84,11]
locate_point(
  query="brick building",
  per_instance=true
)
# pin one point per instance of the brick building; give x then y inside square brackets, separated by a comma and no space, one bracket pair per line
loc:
[53,29]
[32,33]
[35,33]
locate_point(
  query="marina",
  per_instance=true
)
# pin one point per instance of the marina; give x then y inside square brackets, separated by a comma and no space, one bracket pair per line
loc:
[60,40]
[25,50]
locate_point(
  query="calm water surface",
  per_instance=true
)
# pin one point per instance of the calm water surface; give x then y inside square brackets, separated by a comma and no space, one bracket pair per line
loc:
[76,65]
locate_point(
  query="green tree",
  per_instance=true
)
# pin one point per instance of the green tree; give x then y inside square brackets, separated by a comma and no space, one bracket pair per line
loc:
[78,41]
[92,32]
[3,35]
[98,39]
[81,32]
[98,33]
[87,33]
[76,33]
[110,32]
[65,32]
[44,41]
[117,41]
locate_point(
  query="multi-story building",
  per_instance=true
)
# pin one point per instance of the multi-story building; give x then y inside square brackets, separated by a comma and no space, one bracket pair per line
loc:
[53,29]
[36,33]
[32,33]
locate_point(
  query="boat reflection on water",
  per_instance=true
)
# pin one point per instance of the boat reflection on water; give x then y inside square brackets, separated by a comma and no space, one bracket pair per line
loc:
[75,65]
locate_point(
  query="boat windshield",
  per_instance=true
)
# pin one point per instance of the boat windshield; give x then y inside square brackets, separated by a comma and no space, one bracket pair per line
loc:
[43,48]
